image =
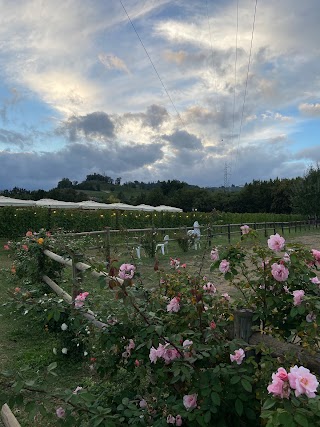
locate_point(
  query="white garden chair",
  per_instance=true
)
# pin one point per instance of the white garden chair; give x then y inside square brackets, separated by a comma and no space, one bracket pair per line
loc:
[163,246]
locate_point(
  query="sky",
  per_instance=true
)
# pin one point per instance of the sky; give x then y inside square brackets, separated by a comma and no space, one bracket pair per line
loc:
[148,90]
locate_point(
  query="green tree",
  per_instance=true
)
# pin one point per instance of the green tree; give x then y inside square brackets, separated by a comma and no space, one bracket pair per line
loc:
[306,193]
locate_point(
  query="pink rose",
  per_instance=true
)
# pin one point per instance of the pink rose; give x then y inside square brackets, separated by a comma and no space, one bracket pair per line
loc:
[178,420]
[279,272]
[174,305]
[6,247]
[210,288]
[213,325]
[143,404]
[126,271]
[153,355]
[282,374]
[315,280]
[224,266]
[276,242]
[302,381]
[25,247]
[61,413]
[29,233]
[190,401]
[226,296]
[280,386]
[298,297]
[79,299]
[316,256]
[238,356]
[214,255]
[245,229]
[286,257]
[170,354]
[311,317]
[171,419]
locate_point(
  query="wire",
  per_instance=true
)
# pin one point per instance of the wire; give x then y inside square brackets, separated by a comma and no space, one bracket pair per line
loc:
[249,62]
[210,32]
[235,72]
[154,67]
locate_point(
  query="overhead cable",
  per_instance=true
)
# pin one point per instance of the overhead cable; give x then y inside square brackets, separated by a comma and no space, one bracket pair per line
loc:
[154,67]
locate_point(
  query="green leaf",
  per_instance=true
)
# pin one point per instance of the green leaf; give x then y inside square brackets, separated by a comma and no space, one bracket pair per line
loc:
[215,398]
[125,401]
[52,366]
[301,420]
[246,385]
[239,407]
[235,379]
[207,417]
[268,404]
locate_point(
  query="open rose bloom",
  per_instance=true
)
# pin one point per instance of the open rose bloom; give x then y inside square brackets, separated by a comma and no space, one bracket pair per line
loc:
[299,380]
[276,242]
[237,356]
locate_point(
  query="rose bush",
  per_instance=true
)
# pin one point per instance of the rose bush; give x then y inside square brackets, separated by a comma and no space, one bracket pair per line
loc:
[165,355]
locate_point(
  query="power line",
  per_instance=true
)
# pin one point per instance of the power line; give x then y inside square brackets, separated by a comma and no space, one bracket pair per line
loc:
[210,32]
[249,62]
[235,71]
[228,167]
[154,67]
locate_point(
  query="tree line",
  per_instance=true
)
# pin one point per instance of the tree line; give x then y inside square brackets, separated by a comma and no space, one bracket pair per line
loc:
[299,195]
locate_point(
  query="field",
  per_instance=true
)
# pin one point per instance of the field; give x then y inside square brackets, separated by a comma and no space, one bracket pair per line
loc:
[26,343]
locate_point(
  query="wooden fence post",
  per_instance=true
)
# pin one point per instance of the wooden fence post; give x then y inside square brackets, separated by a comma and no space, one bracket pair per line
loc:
[153,247]
[243,324]
[274,228]
[209,235]
[107,244]
[8,418]
[77,275]
[265,230]
[282,230]
[229,233]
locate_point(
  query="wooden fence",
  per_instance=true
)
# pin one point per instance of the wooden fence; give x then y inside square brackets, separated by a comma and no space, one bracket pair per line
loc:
[209,234]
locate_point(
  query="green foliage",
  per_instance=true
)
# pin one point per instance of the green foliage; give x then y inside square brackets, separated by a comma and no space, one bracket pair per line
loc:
[164,347]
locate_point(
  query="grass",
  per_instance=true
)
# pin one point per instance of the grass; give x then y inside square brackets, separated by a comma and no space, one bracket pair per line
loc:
[24,342]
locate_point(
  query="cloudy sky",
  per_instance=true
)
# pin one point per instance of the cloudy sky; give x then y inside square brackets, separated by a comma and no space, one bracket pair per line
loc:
[165,96]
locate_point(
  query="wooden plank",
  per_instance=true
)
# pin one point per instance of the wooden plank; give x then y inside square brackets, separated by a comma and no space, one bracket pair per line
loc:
[8,418]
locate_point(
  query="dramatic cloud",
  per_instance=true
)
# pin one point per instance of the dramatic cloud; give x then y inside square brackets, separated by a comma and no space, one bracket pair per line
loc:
[183,140]
[87,95]
[93,125]
[44,170]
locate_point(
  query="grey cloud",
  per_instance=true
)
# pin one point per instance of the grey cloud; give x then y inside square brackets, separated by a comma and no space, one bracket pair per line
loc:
[310,153]
[13,138]
[217,60]
[181,139]
[44,170]
[154,117]
[92,125]
[312,110]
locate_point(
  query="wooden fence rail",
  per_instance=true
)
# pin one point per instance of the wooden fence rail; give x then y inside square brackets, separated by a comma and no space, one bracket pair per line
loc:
[207,232]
